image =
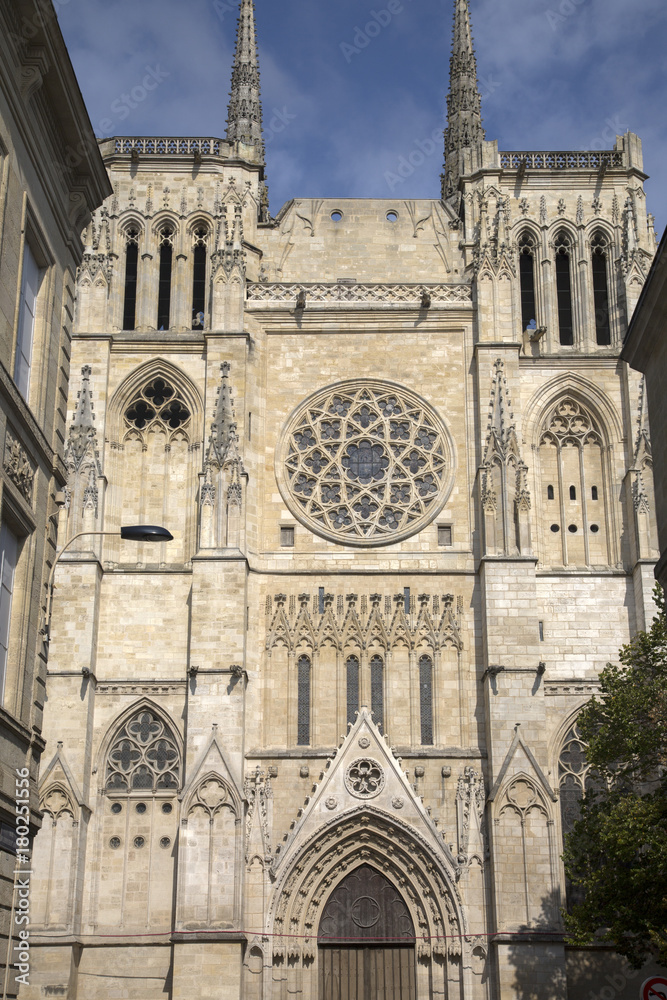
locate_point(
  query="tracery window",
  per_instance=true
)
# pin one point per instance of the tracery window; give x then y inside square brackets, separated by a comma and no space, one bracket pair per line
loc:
[352,667]
[166,244]
[377,690]
[574,780]
[527,251]
[131,275]
[426,699]
[600,254]
[144,756]
[199,278]
[365,463]
[157,404]
[563,249]
[303,697]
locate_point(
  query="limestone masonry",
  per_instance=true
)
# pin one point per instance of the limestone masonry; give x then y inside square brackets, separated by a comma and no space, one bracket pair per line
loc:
[323,744]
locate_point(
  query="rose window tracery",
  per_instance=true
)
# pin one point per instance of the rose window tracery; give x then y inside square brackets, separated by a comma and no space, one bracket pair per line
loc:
[143,756]
[364,778]
[365,463]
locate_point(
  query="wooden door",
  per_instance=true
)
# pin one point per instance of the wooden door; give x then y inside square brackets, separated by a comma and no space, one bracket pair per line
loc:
[367,941]
[372,973]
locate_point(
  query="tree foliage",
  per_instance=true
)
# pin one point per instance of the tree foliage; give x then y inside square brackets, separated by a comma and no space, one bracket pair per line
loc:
[617,851]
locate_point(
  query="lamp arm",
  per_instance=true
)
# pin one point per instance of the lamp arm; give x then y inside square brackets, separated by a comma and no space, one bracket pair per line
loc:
[49,586]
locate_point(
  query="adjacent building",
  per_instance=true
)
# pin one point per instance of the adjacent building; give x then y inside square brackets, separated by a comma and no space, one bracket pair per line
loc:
[51,179]
[645,350]
[324,743]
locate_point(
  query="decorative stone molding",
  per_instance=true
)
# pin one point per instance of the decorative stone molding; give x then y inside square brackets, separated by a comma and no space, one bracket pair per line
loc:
[335,293]
[437,622]
[18,466]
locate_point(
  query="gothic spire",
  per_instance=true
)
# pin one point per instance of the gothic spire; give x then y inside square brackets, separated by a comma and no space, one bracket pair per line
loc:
[82,436]
[464,103]
[244,122]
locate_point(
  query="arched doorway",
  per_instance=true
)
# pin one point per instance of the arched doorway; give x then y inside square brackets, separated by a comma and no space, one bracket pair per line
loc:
[366,941]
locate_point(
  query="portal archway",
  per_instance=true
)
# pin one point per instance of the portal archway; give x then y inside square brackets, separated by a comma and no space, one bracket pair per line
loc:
[366,941]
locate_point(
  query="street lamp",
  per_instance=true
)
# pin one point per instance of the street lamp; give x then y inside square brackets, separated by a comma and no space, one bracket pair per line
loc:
[133,533]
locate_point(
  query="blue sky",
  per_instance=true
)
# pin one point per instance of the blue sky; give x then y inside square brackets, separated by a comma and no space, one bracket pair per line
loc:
[342,108]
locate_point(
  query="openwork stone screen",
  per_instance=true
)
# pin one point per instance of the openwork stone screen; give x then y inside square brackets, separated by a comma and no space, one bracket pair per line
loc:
[143,756]
[365,463]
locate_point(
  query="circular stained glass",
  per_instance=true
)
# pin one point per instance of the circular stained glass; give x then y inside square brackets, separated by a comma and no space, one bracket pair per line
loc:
[365,463]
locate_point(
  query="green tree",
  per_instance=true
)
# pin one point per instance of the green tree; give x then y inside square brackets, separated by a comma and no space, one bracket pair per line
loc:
[617,851]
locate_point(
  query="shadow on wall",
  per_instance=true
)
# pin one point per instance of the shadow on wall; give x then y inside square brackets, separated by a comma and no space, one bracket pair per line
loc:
[548,970]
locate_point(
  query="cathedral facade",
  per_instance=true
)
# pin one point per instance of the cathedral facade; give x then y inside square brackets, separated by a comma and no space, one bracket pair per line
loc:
[323,743]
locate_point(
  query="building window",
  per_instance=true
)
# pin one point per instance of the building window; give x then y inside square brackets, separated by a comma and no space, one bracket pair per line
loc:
[352,688]
[287,538]
[573,780]
[143,756]
[527,279]
[30,283]
[164,285]
[9,548]
[131,275]
[426,699]
[550,493]
[444,535]
[303,708]
[573,493]
[564,289]
[599,249]
[199,279]
[377,690]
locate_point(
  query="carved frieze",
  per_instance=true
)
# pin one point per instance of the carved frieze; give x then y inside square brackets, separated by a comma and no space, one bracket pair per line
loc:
[18,466]
[336,293]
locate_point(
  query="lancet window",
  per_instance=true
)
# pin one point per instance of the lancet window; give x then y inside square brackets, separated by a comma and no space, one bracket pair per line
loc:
[426,699]
[600,257]
[199,278]
[157,404]
[527,252]
[377,690]
[574,781]
[303,696]
[166,244]
[352,666]
[563,248]
[573,476]
[144,756]
[131,276]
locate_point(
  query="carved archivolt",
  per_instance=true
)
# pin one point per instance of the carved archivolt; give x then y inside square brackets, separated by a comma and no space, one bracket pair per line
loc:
[374,620]
[365,836]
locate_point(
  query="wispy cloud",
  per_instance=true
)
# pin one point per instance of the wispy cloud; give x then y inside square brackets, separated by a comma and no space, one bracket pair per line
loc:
[554,84]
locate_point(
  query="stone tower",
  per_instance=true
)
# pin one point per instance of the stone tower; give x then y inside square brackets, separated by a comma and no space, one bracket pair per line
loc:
[324,742]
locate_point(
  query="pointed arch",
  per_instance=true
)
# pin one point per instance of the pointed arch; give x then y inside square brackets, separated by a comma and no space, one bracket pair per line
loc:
[155,368]
[306,879]
[212,792]
[116,728]
[585,392]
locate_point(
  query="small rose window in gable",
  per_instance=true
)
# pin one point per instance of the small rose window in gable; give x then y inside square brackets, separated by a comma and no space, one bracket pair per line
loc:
[157,405]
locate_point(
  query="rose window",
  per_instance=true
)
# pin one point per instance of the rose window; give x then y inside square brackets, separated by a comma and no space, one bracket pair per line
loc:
[365,778]
[365,463]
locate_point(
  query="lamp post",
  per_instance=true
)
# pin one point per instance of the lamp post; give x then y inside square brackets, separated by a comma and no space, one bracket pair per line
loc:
[133,532]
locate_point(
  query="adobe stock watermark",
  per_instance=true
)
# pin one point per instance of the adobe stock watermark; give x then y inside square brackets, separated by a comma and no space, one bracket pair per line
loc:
[566,8]
[21,909]
[615,983]
[432,144]
[45,12]
[606,138]
[279,121]
[126,103]
[224,7]
[363,36]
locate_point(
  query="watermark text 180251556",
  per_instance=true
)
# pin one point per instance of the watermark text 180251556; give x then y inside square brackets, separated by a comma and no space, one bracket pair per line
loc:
[22,876]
